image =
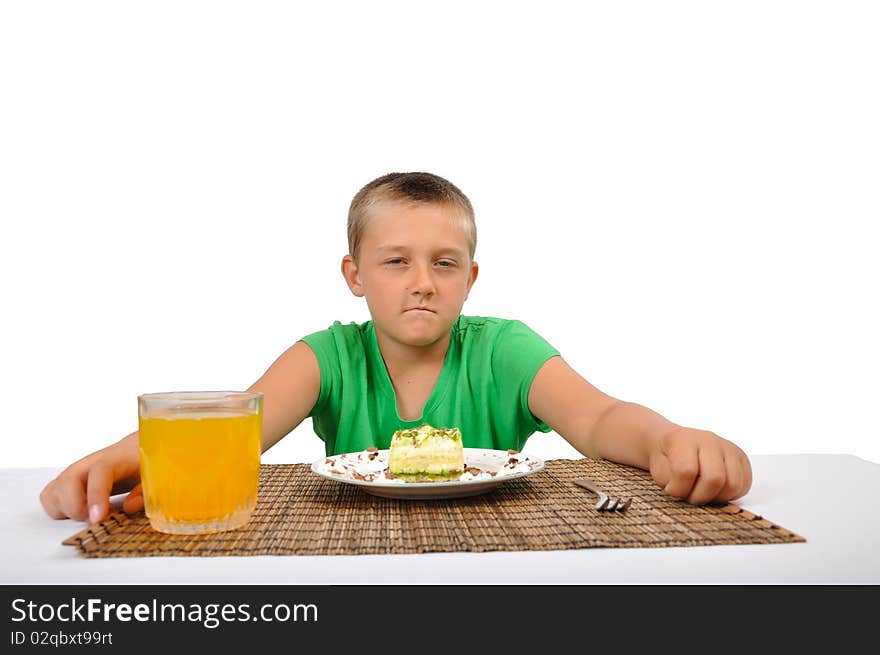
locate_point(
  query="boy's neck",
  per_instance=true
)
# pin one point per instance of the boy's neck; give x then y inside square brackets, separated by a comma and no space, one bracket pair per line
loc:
[400,357]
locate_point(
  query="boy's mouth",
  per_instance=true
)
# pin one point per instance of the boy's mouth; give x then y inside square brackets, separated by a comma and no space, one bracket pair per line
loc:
[419,309]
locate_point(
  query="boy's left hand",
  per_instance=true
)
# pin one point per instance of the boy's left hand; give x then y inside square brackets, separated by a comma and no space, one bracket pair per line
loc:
[700,466]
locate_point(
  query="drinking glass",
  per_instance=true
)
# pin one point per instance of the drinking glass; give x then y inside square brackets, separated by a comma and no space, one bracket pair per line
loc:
[200,458]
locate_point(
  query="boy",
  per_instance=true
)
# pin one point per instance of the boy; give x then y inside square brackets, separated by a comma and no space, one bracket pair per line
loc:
[412,238]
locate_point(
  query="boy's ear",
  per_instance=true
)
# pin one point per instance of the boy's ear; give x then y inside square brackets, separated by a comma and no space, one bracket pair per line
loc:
[351,275]
[475,270]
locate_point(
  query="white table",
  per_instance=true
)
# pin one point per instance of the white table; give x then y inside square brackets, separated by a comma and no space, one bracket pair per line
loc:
[815,496]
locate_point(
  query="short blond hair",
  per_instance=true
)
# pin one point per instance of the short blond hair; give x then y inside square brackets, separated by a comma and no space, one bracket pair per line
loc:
[410,189]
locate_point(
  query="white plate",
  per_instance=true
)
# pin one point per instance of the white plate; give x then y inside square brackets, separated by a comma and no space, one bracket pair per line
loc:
[344,468]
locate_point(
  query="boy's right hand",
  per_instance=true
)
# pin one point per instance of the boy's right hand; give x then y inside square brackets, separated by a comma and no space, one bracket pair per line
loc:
[82,491]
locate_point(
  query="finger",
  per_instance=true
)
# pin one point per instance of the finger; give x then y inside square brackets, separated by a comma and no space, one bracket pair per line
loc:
[98,488]
[70,495]
[733,479]
[49,500]
[747,474]
[660,470]
[743,473]
[712,476]
[134,502]
[684,466]
[65,496]
[116,470]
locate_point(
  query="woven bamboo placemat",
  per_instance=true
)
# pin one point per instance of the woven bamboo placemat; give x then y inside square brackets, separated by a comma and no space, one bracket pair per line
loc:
[300,513]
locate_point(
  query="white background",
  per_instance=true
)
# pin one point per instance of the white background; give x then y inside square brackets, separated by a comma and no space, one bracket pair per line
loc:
[680,196]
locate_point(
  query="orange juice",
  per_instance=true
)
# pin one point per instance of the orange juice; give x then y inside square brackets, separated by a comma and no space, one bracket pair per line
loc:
[200,468]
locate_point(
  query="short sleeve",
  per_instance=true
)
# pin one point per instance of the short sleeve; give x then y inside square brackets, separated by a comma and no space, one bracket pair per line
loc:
[518,355]
[323,344]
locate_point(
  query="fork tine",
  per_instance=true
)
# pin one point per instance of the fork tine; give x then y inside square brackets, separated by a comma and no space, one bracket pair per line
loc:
[605,503]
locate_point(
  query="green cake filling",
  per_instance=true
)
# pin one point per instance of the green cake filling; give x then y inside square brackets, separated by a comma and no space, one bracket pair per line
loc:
[426,454]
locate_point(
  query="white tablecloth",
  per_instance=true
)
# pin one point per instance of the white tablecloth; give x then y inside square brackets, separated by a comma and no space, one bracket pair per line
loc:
[815,496]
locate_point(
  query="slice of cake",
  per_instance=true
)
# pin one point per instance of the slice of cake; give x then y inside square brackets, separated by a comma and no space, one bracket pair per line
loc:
[426,454]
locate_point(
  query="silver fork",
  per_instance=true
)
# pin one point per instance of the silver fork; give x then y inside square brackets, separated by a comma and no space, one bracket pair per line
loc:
[606,503]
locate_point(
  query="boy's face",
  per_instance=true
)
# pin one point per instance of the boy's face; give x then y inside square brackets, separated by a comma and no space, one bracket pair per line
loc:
[414,269]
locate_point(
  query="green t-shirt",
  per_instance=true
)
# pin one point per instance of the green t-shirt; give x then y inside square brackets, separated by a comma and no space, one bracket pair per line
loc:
[483,386]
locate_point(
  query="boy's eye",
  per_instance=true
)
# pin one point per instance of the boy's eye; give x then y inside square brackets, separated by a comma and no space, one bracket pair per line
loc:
[445,263]
[395,260]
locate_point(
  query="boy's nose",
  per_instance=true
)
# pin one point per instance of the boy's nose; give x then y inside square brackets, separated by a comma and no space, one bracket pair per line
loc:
[422,281]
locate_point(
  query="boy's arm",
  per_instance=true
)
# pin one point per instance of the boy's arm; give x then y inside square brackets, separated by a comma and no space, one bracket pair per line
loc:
[290,389]
[693,464]
[82,491]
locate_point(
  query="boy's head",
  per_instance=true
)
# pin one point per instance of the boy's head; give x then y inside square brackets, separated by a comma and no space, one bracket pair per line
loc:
[412,239]
[408,189]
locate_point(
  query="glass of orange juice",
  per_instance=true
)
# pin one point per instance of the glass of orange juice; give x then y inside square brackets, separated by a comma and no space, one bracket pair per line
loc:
[200,458]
